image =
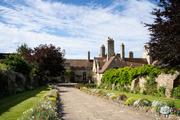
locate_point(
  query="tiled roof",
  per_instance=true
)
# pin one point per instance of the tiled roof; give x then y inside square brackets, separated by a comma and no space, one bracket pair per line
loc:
[101,61]
[113,62]
[79,63]
[116,62]
[137,60]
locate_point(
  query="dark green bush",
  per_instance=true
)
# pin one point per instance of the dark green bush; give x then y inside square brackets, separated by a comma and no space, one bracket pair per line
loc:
[170,103]
[176,92]
[18,64]
[11,83]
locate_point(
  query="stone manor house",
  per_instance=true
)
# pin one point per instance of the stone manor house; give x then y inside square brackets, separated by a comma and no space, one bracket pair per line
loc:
[86,70]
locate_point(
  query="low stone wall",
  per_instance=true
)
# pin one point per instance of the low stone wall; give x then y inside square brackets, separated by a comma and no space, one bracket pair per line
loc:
[97,78]
[139,83]
[163,80]
[167,81]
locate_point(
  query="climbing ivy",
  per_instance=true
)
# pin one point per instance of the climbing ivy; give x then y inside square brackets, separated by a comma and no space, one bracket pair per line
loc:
[124,76]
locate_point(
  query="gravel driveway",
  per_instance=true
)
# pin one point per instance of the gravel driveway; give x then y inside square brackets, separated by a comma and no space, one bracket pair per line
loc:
[78,105]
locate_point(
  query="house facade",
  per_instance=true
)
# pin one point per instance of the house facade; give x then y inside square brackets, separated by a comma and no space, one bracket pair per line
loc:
[79,70]
[110,60]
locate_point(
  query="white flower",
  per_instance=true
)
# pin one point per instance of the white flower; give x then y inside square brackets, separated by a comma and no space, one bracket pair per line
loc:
[165,110]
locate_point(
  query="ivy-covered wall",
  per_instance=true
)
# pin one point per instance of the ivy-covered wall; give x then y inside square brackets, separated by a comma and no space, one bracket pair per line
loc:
[145,79]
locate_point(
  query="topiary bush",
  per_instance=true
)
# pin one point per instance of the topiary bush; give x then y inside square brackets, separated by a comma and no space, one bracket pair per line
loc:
[176,92]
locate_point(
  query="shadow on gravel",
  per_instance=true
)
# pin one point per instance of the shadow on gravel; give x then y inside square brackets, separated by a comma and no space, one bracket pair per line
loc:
[60,106]
[66,84]
[62,91]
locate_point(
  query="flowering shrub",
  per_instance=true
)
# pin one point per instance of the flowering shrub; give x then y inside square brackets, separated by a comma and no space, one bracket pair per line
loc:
[44,110]
[165,110]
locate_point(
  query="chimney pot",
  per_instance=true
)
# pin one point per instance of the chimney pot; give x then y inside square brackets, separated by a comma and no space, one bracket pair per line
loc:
[123,51]
[131,54]
[89,57]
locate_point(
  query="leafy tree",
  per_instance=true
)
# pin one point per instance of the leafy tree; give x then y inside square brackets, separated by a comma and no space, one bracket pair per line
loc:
[49,60]
[16,63]
[164,45]
[25,52]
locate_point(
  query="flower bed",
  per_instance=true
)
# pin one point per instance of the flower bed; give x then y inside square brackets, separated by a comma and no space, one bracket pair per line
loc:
[45,109]
[164,108]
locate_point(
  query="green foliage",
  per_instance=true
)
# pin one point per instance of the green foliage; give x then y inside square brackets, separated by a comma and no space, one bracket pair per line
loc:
[130,101]
[3,67]
[161,91]
[170,103]
[123,77]
[49,60]
[16,63]
[151,86]
[25,52]
[164,31]
[176,92]
[11,83]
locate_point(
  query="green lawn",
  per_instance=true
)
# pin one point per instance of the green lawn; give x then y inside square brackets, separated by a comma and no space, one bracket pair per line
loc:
[12,107]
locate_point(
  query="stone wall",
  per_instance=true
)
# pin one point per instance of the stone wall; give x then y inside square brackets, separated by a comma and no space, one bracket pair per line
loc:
[97,78]
[167,81]
[163,80]
[138,83]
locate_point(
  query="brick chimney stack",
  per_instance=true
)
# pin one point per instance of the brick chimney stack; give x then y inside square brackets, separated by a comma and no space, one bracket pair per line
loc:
[110,45]
[89,57]
[123,51]
[131,55]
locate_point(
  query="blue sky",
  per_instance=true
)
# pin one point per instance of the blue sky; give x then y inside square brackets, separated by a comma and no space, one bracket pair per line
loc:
[77,26]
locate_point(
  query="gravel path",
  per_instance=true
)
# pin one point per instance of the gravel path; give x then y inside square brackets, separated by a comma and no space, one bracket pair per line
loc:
[78,105]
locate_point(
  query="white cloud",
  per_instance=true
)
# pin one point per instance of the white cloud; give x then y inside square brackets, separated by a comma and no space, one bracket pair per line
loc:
[77,29]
